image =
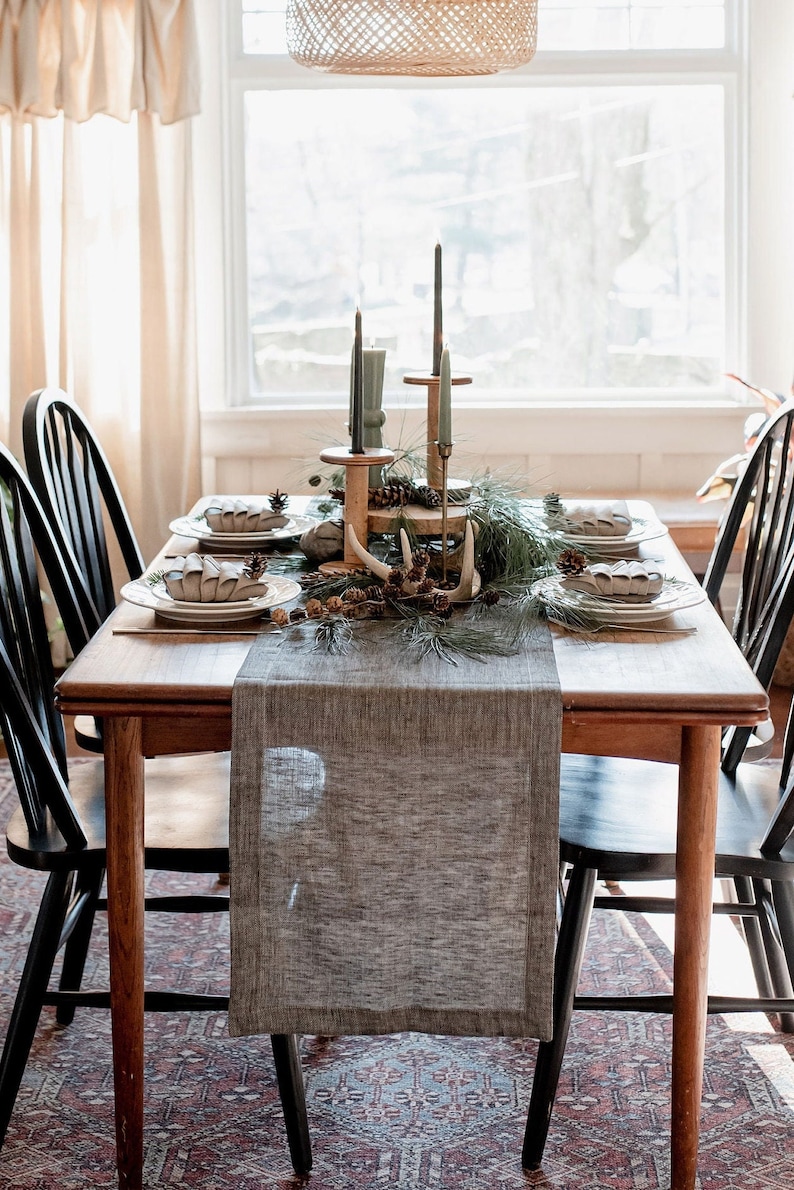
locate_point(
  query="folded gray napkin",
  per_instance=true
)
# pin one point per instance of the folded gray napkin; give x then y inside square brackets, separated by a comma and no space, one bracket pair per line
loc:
[236,516]
[201,579]
[627,581]
[605,519]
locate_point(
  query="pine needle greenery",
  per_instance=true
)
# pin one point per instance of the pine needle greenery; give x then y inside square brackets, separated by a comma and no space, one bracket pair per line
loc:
[334,634]
[513,543]
[427,635]
[537,605]
[324,588]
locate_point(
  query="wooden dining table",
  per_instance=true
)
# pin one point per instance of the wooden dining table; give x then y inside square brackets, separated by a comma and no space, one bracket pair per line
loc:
[658,696]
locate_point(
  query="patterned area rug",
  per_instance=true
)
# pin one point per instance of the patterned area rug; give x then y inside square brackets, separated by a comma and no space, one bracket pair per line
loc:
[409,1111]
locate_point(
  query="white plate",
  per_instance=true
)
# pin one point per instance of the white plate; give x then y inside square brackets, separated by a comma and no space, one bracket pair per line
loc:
[197,527]
[674,597]
[607,544]
[155,597]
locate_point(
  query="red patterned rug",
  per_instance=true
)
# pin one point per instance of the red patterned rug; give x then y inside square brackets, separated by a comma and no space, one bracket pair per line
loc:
[409,1111]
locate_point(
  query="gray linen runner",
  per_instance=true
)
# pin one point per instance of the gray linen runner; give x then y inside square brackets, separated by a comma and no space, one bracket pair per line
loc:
[394,848]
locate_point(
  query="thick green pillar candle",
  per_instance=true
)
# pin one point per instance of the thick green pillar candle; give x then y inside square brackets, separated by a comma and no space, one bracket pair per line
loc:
[374,359]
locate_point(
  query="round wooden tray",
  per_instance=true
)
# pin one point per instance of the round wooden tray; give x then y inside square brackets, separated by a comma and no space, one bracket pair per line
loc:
[426,521]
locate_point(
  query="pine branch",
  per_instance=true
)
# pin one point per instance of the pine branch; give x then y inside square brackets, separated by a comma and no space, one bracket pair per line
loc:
[514,543]
[334,634]
[428,635]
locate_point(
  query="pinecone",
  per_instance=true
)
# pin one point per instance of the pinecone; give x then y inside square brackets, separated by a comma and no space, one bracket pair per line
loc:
[442,606]
[297,613]
[314,609]
[355,611]
[354,595]
[490,597]
[571,561]
[552,505]
[373,594]
[417,572]
[255,565]
[426,496]
[337,494]
[278,501]
[333,604]
[392,495]
[425,587]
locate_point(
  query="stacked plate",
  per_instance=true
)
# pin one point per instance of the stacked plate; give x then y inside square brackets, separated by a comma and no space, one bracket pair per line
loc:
[562,603]
[276,590]
[198,529]
[640,531]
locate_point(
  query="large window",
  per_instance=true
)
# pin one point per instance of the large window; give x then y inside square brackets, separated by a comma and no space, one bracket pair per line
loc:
[586,205]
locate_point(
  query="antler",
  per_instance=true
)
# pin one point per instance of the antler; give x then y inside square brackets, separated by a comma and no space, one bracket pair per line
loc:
[468,585]
[470,581]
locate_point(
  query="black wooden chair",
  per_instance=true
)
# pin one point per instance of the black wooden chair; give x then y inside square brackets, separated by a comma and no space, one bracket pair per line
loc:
[78,491]
[618,817]
[59,826]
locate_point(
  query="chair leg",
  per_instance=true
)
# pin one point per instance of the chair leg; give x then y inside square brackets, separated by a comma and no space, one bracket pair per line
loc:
[776,959]
[32,988]
[293,1099]
[567,965]
[753,936]
[783,902]
[76,949]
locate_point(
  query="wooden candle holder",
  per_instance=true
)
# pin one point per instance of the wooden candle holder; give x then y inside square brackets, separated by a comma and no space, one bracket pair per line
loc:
[431,383]
[356,495]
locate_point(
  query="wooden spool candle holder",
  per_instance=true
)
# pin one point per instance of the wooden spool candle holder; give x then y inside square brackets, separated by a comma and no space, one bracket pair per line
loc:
[431,383]
[356,495]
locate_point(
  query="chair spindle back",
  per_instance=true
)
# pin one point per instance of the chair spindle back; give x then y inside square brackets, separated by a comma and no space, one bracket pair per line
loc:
[74,481]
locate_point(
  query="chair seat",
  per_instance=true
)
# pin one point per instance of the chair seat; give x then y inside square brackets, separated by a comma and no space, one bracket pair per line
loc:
[87,734]
[619,816]
[186,818]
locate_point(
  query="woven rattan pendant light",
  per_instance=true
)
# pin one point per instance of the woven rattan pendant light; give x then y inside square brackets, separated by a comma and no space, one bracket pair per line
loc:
[412,37]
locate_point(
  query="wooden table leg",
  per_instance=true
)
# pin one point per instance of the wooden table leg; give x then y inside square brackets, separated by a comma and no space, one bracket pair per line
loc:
[697,816]
[125,875]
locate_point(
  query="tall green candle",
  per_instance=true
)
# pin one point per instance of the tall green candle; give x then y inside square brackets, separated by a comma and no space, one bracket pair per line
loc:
[357,418]
[445,401]
[438,331]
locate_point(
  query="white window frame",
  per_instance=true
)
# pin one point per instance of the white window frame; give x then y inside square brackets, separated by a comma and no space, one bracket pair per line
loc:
[725,67]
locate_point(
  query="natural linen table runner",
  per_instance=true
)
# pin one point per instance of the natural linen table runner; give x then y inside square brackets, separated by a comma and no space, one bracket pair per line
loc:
[394,840]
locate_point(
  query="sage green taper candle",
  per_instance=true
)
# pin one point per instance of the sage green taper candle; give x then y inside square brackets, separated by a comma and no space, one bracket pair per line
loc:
[438,331]
[445,401]
[357,419]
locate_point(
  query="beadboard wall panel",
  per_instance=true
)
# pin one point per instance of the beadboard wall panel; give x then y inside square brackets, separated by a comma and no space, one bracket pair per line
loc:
[620,450]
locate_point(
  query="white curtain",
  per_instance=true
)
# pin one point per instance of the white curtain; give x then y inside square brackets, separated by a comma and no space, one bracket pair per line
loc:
[96,234]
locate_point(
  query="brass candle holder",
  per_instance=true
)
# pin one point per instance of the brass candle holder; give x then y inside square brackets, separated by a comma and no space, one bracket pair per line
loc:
[444,452]
[356,496]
